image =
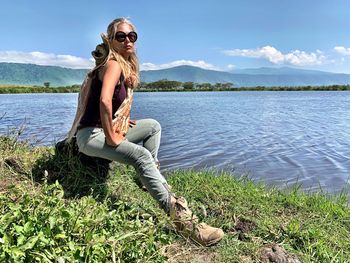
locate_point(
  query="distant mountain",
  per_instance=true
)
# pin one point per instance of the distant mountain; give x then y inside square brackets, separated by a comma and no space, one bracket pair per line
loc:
[278,71]
[187,73]
[284,76]
[30,74]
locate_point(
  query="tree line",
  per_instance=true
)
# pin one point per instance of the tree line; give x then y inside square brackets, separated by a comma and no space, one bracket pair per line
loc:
[170,85]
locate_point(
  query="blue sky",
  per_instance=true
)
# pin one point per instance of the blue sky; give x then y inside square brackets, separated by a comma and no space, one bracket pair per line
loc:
[223,35]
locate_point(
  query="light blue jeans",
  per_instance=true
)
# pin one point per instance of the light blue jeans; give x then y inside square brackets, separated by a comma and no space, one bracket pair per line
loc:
[91,141]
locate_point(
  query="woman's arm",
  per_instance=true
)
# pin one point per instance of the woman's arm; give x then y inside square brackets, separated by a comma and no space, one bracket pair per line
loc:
[110,78]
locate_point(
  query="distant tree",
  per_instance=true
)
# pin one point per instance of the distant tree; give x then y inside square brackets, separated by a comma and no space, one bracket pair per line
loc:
[227,86]
[206,86]
[164,84]
[46,84]
[217,85]
[188,85]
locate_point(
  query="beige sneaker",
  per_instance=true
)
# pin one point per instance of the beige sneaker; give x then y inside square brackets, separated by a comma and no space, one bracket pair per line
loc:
[187,224]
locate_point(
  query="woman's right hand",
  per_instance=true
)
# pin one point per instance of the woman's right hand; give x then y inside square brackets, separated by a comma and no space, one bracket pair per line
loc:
[116,139]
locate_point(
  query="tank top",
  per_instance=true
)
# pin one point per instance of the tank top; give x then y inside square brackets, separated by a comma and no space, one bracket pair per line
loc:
[91,116]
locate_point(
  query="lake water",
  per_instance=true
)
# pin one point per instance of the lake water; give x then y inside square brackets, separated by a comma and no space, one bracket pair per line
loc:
[278,137]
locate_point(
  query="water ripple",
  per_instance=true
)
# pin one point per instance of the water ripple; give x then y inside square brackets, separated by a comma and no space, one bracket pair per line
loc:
[282,138]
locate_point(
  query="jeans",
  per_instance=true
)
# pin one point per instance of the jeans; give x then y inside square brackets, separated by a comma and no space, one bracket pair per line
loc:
[91,141]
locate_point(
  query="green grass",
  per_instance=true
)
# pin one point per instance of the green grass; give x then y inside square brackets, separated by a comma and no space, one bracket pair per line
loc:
[54,208]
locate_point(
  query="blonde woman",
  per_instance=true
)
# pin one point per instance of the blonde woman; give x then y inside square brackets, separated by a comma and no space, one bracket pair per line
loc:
[103,127]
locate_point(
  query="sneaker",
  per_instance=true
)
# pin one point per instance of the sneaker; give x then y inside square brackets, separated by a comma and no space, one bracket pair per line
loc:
[187,224]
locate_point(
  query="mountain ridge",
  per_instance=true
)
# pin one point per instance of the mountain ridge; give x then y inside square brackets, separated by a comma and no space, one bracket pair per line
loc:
[280,70]
[32,74]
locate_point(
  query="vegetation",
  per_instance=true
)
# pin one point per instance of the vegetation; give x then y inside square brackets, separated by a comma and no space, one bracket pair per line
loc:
[167,85]
[30,74]
[38,89]
[53,208]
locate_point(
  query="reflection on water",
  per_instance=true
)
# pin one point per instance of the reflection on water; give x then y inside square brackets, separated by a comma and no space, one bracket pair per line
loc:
[278,137]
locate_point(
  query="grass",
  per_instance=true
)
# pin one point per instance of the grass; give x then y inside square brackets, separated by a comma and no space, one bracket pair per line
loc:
[55,209]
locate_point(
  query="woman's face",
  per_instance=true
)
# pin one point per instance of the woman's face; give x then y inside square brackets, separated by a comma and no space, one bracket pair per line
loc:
[125,48]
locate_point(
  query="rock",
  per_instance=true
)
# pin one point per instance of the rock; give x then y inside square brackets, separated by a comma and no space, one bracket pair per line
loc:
[277,254]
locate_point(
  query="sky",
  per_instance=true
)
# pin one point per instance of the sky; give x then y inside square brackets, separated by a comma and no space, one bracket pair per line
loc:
[223,35]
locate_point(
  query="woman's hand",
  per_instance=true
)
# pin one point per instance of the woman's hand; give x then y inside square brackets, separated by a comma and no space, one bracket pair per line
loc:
[132,123]
[116,139]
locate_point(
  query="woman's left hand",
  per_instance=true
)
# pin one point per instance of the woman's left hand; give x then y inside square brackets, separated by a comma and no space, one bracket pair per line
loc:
[132,123]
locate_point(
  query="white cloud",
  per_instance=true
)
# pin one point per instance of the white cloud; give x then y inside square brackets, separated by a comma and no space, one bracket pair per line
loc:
[295,57]
[47,59]
[302,58]
[342,50]
[230,66]
[267,52]
[199,63]
[69,61]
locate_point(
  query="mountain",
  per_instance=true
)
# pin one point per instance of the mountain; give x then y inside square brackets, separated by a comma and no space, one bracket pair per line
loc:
[30,74]
[284,76]
[278,71]
[185,74]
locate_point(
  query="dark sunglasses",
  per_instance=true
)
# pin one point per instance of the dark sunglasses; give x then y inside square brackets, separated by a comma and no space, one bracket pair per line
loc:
[121,36]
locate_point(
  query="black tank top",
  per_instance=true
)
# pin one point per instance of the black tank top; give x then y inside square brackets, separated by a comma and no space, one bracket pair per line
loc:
[91,116]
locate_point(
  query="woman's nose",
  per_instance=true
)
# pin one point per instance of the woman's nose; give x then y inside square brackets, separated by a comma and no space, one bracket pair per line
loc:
[127,40]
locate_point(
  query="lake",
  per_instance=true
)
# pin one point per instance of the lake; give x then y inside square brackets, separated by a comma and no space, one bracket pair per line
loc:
[281,138]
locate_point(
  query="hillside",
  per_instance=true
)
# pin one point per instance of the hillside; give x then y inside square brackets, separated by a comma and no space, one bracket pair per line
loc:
[250,77]
[30,74]
[187,73]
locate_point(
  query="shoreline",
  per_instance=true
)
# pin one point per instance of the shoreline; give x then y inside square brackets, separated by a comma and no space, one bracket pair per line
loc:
[55,208]
[75,89]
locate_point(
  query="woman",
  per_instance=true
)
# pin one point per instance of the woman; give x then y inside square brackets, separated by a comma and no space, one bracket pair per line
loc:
[103,127]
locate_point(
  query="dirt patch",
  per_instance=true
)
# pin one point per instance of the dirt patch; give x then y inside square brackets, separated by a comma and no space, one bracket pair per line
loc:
[12,175]
[244,227]
[187,252]
[5,184]
[12,186]
[277,254]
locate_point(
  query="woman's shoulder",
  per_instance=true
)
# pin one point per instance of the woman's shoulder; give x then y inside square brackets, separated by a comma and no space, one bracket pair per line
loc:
[112,66]
[112,63]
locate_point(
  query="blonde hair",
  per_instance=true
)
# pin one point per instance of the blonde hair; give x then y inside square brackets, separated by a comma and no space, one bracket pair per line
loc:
[130,67]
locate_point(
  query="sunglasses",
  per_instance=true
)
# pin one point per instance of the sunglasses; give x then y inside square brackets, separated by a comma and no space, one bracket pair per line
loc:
[121,36]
